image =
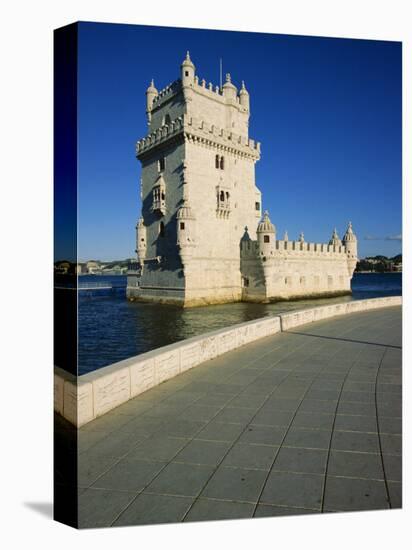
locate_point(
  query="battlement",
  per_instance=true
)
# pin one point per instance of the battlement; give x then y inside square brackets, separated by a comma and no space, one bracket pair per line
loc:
[250,249]
[166,93]
[195,129]
[209,90]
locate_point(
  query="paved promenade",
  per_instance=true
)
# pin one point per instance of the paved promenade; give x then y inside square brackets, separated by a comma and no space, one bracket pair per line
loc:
[305,421]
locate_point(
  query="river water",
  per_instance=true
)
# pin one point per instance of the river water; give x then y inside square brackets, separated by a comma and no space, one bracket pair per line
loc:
[111,329]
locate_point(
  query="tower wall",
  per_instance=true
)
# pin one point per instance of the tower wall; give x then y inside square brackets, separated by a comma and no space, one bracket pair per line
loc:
[162,277]
[294,270]
[214,275]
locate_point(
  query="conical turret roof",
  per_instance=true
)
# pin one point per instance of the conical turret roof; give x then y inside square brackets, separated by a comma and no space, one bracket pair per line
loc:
[152,89]
[335,238]
[185,212]
[187,62]
[266,226]
[243,90]
[349,235]
[228,83]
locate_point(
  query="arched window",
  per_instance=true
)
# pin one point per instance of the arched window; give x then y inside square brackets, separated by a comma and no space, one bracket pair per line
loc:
[167,119]
[222,163]
[217,161]
[161,229]
[222,196]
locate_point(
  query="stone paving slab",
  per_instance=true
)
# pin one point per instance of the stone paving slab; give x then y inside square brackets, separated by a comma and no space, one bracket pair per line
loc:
[305,421]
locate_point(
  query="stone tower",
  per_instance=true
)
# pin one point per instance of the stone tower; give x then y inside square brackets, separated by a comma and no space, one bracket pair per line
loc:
[198,192]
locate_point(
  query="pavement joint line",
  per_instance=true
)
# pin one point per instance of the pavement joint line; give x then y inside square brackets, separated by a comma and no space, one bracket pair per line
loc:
[332,433]
[388,496]
[286,433]
[380,479]
[239,436]
[203,427]
[199,498]
[288,507]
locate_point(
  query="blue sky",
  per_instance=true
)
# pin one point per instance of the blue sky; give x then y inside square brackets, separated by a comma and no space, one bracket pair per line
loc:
[328,113]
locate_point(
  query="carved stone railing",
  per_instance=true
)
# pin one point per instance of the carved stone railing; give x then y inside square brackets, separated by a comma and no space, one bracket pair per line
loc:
[82,399]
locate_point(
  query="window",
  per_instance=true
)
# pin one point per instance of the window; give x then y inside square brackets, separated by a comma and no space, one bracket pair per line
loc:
[182,226]
[161,229]
[161,164]
[186,73]
[266,238]
[219,162]
[257,205]
[245,281]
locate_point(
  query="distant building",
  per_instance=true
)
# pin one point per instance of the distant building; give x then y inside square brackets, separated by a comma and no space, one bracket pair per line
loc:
[201,238]
[63,267]
[93,267]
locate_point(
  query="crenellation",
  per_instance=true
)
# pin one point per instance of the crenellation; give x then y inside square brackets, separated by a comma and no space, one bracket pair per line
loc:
[238,144]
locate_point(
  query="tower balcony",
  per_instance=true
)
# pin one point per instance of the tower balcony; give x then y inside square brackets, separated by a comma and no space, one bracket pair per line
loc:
[159,206]
[223,209]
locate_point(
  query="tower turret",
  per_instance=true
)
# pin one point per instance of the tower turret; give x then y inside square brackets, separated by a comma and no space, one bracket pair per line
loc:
[151,94]
[334,240]
[141,241]
[185,225]
[351,245]
[187,71]
[229,89]
[185,232]
[266,235]
[244,99]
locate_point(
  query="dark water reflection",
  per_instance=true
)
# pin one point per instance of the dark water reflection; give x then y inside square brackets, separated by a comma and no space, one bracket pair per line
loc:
[111,328]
